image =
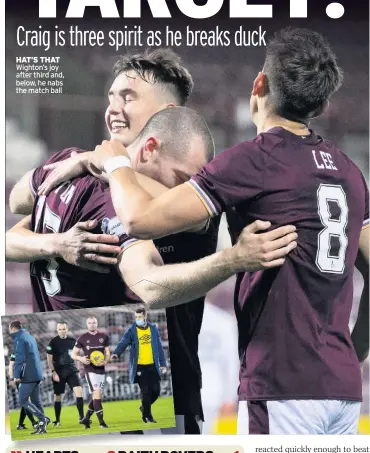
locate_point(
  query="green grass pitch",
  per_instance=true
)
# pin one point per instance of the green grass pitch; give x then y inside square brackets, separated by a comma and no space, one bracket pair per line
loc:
[118,415]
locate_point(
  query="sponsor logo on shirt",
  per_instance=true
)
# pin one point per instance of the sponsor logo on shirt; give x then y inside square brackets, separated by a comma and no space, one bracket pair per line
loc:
[166,249]
[94,347]
[112,226]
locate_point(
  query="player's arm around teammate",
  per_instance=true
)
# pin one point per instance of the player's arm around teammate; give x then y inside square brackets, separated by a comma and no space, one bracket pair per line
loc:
[142,215]
[77,246]
[162,286]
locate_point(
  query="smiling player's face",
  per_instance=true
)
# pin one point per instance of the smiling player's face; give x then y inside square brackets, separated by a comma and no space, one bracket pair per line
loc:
[132,101]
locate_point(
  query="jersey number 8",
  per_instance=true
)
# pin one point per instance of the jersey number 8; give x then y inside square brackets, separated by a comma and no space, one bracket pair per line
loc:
[334,229]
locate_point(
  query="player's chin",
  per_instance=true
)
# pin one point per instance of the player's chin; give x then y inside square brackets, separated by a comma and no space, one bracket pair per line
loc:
[123,136]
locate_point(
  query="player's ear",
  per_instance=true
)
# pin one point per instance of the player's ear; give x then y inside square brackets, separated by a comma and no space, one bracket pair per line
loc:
[260,86]
[151,146]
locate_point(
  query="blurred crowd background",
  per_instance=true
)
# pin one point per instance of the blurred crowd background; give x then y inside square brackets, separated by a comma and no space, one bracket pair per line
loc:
[114,322]
[37,126]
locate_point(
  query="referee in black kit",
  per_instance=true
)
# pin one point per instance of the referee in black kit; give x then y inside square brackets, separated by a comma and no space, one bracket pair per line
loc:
[64,370]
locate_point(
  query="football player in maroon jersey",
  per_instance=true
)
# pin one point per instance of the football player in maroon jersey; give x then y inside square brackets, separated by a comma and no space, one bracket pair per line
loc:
[300,366]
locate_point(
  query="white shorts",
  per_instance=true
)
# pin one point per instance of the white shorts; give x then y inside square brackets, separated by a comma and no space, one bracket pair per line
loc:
[298,417]
[95,381]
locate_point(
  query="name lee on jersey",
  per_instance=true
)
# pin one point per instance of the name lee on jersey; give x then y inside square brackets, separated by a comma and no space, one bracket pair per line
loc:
[323,160]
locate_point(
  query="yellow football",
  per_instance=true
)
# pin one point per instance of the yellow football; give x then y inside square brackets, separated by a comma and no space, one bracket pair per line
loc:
[96,358]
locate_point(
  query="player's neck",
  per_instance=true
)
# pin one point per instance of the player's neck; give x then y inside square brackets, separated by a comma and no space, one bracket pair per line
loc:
[93,333]
[270,121]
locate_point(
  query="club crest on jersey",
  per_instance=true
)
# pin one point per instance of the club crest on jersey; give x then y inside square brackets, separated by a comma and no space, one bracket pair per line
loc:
[112,226]
[101,340]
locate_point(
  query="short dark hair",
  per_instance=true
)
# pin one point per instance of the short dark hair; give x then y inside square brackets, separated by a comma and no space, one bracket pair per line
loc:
[159,66]
[15,325]
[174,122]
[141,310]
[62,322]
[302,73]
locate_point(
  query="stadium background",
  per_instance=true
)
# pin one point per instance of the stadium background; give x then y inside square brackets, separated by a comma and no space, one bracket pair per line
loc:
[113,321]
[37,126]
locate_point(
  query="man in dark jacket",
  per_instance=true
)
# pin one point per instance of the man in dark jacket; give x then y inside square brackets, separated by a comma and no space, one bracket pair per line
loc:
[28,372]
[147,360]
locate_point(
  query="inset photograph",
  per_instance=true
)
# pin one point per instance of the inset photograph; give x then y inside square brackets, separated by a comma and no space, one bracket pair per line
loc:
[87,371]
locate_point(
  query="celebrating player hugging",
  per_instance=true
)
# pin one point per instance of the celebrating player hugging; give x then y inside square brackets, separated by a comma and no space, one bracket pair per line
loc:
[299,363]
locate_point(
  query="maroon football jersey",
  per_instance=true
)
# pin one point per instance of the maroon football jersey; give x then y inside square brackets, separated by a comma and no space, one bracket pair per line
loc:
[293,321]
[58,285]
[90,343]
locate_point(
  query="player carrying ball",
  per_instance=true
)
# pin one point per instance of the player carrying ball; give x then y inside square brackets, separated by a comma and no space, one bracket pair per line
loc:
[96,353]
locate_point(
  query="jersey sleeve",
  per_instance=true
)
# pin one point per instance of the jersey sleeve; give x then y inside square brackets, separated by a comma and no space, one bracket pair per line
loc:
[106,341]
[96,203]
[49,348]
[78,343]
[39,174]
[12,358]
[235,176]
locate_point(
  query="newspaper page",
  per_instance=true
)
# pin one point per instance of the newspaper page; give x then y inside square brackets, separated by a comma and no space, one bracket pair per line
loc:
[186,216]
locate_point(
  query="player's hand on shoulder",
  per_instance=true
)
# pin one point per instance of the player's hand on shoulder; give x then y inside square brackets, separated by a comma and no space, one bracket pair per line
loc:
[103,152]
[256,250]
[63,171]
[80,247]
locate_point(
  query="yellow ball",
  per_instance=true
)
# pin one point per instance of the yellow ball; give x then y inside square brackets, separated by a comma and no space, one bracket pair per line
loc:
[96,358]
